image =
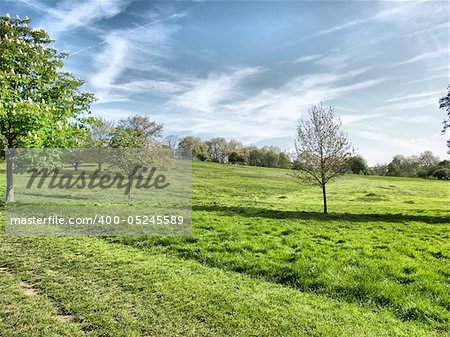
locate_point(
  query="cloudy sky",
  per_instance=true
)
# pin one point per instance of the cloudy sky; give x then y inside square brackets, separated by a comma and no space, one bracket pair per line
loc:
[249,70]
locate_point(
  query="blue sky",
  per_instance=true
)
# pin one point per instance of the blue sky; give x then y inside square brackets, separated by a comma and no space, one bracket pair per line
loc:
[249,70]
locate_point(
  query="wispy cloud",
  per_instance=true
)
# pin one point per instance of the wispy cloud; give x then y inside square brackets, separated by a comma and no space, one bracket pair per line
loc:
[221,102]
[69,15]
[206,93]
[308,58]
[138,50]
[409,97]
[425,56]
[427,79]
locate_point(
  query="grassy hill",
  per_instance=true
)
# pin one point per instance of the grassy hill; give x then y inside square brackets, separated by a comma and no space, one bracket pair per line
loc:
[263,261]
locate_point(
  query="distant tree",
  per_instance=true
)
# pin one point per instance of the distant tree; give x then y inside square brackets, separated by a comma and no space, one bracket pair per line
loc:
[135,131]
[101,131]
[40,104]
[380,169]
[217,149]
[402,166]
[270,157]
[358,165]
[413,166]
[140,134]
[192,148]
[254,156]
[235,146]
[284,161]
[236,158]
[393,168]
[444,103]
[428,159]
[322,148]
[172,142]
[442,170]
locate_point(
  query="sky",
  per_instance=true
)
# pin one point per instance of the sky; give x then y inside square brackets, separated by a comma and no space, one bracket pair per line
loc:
[249,70]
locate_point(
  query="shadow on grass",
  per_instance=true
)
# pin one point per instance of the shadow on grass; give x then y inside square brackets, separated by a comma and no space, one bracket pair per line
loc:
[302,215]
[59,196]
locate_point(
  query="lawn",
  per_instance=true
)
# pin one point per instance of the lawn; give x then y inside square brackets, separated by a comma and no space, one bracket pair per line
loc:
[262,261]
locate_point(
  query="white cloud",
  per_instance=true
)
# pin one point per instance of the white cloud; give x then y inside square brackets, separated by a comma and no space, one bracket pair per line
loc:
[425,56]
[308,58]
[70,15]
[139,50]
[206,93]
[418,95]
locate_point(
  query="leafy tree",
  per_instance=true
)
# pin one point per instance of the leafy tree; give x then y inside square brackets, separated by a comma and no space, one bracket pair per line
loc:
[322,148]
[40,104]
[428,159]
[412,166]
[135,132]
[236,158]
[393,168]
[380,169]
[254,156]
[217,149]
[192,148]
[284,161]
[100,133]
[235,146]
[442,170]
[444,103]
[135,139]
[269,157]
[358,165]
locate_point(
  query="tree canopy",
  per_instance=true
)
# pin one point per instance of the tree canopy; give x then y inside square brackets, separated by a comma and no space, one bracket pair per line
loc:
[40,103]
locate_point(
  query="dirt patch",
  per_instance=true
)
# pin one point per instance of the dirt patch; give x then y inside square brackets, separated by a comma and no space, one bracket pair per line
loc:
[64,318]
[28,289]
[5,271]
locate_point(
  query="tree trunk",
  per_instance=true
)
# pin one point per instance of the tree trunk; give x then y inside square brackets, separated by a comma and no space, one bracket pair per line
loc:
[9,179]
[129,185]
[99,166]
[324,192]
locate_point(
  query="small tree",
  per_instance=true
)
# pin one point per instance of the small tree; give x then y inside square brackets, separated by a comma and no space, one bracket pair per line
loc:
[172,142]
[100,133]
[322,149]
[135,139]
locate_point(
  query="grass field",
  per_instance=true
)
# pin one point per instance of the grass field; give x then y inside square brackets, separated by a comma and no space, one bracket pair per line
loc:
[263,261]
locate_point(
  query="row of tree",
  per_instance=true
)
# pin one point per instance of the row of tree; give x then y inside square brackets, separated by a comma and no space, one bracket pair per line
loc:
[220,150]
[424,165]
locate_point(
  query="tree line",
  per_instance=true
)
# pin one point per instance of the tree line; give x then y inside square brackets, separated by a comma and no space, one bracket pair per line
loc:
[425,165]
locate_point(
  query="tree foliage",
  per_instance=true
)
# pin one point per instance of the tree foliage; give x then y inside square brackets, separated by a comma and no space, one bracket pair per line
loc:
[444,103]
[192,148]
[218,149]
[41,105]
[358,165]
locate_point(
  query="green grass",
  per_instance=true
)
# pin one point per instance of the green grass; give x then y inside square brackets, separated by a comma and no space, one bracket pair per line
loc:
[263,261]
